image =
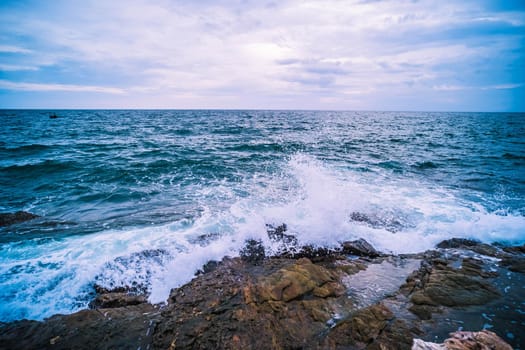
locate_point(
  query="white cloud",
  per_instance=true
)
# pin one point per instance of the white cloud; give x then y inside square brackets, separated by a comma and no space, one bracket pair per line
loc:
[14,68]
[13,49]
[307,49]
[9,85]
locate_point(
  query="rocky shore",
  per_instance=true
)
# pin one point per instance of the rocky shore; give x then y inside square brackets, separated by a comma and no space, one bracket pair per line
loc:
[462,295]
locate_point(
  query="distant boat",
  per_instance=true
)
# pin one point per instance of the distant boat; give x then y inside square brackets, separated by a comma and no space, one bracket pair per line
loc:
[53,116]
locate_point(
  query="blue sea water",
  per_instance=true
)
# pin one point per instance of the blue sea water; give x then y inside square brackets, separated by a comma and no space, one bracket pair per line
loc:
[144,198]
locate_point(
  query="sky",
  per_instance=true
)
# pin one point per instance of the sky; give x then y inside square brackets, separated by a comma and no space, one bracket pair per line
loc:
[465,55]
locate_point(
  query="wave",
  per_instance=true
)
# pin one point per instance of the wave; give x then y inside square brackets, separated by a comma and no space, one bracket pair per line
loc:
[25,148]
[321,205]
[41,168]
[426,165]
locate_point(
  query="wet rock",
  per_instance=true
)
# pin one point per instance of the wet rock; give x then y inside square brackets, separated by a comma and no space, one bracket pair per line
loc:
[315,254]
[253,252]
[360,329]
[204,239]
[295,281]
[457,243]
[470,244]
[122,328]
[514,263]
[441,284]
[483,340]
[277,234]
[390,221]
[360,247]
[7,219]
[208,267]
[515,250]
[279,303]
[114,300]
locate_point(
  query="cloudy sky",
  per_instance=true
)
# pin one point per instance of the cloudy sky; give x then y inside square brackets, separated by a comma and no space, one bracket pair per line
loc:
[465,55]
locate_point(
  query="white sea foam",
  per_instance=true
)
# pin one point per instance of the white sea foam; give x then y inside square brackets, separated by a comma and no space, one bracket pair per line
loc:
[316,202]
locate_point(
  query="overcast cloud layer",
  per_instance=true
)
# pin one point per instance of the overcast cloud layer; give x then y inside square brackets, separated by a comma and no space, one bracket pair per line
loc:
[374,55]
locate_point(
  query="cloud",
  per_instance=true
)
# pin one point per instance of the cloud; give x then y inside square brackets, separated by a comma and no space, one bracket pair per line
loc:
[14,49]
[487,87]
[304,50]
[13,67]
[9,85]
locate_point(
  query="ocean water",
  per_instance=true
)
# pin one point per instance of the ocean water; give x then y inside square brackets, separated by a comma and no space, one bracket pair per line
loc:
[144,198]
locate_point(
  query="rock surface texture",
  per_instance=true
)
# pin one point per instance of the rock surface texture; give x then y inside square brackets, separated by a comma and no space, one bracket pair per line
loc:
[301,299]
[7,219]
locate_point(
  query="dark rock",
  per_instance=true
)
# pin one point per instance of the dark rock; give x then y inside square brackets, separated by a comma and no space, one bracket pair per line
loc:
[7,219]
[424,312]
[114,300]
[253,252]
[205,239]
[277,234]
[123,328]
[515,250]
[208,267]
[316,254]
[470,244]
[457,243]
[360,247]
[514,263]
[103,290]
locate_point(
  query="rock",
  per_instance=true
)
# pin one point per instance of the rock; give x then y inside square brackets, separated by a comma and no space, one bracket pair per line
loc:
[113,300]
[123,328]
[515,250]
[208,267]
[470,244]
[360,247]
[278,302]
[315,254]
[361,328]
[514,263]
[483,340]
[7,219]
[444,285]
[253,252]
[457,243]
[295,281]
[277,234]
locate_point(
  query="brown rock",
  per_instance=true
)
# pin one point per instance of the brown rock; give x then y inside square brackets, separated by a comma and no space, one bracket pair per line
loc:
[447,286]
[361,328]
[294,281]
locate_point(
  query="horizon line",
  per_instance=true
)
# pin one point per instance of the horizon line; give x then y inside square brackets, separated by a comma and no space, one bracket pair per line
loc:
[255,109]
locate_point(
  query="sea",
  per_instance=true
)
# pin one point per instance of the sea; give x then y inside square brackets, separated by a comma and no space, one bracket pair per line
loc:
[144,198]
